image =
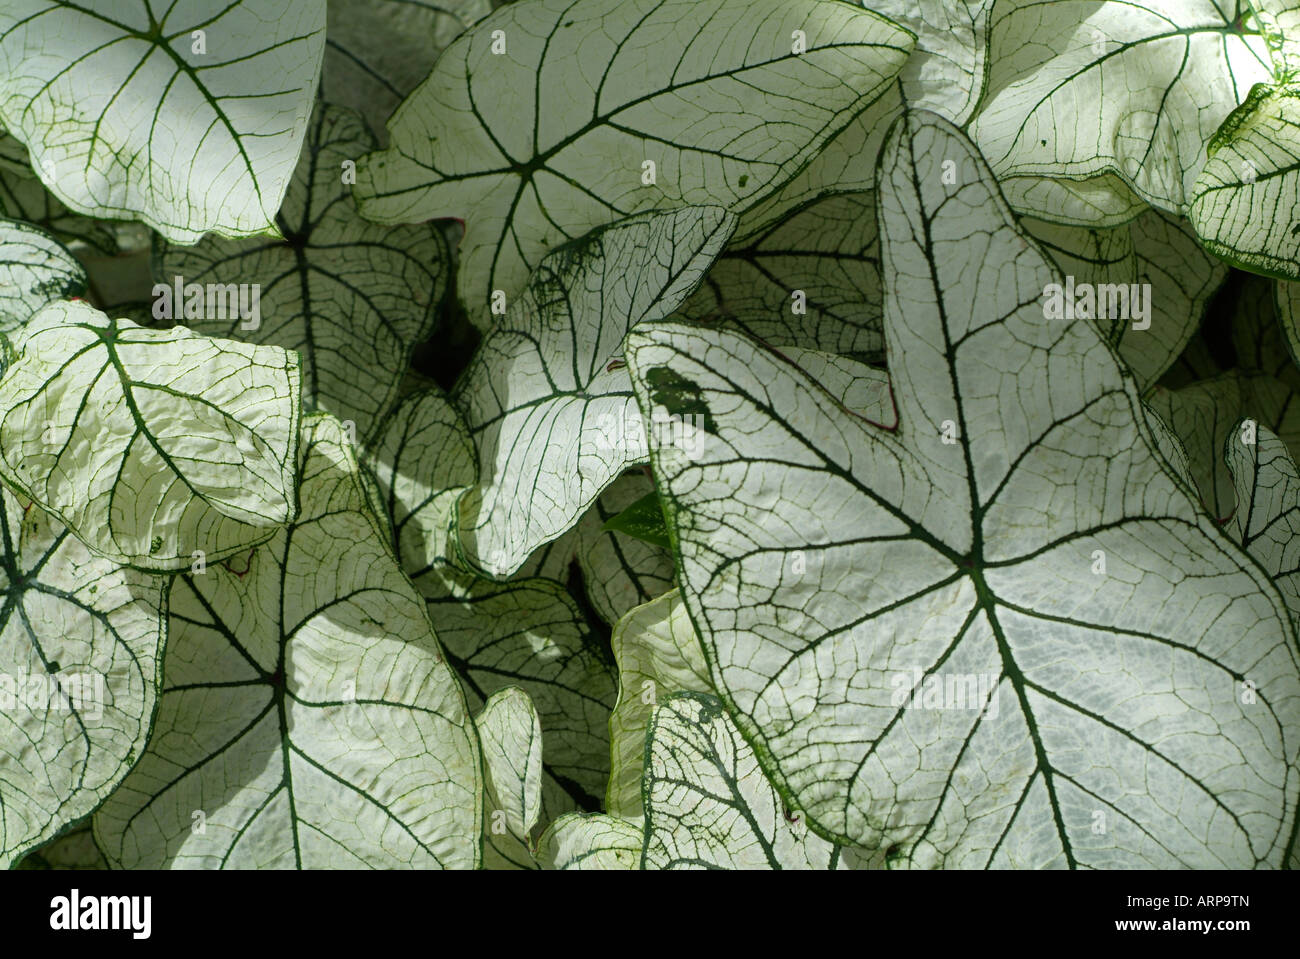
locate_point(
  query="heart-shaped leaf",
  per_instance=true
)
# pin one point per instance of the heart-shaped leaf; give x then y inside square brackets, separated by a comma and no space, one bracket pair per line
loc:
[510,734]
[553,117]
[547,398]
[308,718]
[1003,634]
[35,270]
[708,804]
[81,642]
[133,110]
[1078,88]
[156,448]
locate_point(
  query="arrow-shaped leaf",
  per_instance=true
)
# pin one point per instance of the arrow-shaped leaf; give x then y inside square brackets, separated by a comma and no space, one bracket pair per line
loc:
[1003,635]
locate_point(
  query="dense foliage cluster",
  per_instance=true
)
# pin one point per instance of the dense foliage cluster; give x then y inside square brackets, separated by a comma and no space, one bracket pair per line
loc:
[649,433]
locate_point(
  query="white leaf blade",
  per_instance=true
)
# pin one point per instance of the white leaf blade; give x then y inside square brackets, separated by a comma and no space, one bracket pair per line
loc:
[309,719]
[102,90]
[352,298]
[35,270]
[708,804]
[98,630]
[989,574]
[658,654]
[511,738]
[547,388]
[1158,78]
[151,446]
[529,171]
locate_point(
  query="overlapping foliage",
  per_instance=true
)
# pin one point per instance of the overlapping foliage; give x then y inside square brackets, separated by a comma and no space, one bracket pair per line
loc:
[570,434]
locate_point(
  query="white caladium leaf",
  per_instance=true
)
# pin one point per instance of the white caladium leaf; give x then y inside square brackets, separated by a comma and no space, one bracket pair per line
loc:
[1279,22]
[886,615]
[510,735]
[708,804]
[1267,524]
[620,571]
[658,653]
[527,633]
[81,643]
[134,111]
[22,197]
[308,717]
[1077,89]
[757,89]
[35,270]
[1267,519]
[352,297]
[378,51]
[75,849]
[530,634]
[547,398]
[946,72]
[1146,284]
[811,281]
[846,164]
[156,448]
[1209,415]
[590,841]
[1099,202]
[1244,201]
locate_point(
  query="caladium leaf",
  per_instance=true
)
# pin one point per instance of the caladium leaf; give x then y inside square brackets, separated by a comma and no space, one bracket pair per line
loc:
[658,653]
[708,804]
[547,398]
[1079,88]
[757,89]
[378,51]
[1267,525]
[22,197]
[1208,415]
[35,270]
[1245,197]
[1279,22]
[156,448]
[72,850]
[131,111]
[945,74]
[530,634]
[624,567]
[1267,519]
[510,735]
[811,281]
[1020,517]
[352,297]
[846,164]
[81,643]
[526,633]
[308,718]
[590,841]
[1148,280]
[1099,202]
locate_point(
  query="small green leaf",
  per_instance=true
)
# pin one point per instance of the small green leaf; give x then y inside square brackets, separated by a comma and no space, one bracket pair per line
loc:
[643,519]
